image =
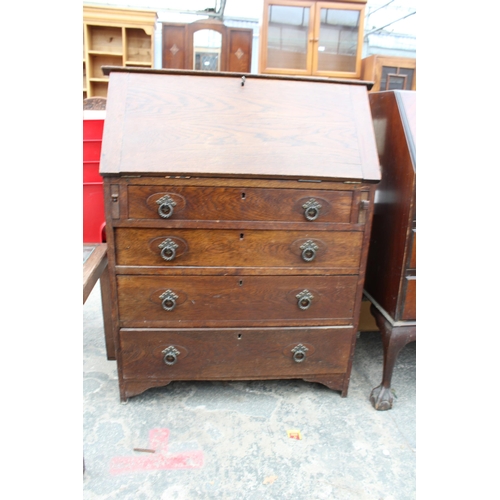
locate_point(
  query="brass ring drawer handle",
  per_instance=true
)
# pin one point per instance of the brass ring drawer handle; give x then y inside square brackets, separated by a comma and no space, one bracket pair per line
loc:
[311,209]
[170,355]
[168,299]
[299,353]
[309,250]
[304,299]
[168,248]
[166,206]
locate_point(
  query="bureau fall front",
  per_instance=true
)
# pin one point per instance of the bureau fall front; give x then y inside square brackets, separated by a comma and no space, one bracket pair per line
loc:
[238,215]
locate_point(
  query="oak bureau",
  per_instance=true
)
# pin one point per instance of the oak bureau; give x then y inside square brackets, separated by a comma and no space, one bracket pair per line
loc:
[238,215]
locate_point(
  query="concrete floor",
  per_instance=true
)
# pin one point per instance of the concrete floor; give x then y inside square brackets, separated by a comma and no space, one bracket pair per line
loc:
[228,440]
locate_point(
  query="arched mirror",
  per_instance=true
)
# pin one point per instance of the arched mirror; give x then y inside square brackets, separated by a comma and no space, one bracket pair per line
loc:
[207,46]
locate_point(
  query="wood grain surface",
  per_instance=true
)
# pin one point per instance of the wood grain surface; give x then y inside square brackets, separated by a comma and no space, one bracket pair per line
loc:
[395,209]
[240,162]
[205,301]
[239,353]
[225,203]
[239,248]
[196,124]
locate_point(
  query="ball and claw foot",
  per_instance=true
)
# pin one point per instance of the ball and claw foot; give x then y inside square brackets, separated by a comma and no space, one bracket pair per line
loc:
[381,398]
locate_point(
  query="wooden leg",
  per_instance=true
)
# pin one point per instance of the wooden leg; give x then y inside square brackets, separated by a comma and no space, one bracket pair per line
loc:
[131,388]
[106,313]
[394,339]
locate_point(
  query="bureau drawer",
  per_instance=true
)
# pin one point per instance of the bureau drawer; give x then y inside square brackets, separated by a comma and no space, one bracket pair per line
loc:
[237,248]
[413,257]
[206,301]
[238,204]
[203,354]
[409,312]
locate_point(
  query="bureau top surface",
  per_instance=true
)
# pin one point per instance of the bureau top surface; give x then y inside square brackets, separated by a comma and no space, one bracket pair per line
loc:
[200,125]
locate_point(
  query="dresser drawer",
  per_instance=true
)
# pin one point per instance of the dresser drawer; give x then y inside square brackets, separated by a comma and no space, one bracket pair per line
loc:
[413,257]
[409,312]
[203,354]
[238,204]
[237,248]
[206,301]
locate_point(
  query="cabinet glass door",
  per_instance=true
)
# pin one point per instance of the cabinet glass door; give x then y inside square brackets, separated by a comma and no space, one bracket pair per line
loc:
[338,40]
[288,34]
[394,78]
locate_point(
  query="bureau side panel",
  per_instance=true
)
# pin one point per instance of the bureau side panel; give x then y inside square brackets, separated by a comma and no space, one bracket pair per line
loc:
[393,206]
[112,212]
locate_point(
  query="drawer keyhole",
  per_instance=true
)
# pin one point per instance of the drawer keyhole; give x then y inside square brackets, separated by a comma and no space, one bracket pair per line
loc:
[242,235]
[243,196]
[239,336]
[241,282]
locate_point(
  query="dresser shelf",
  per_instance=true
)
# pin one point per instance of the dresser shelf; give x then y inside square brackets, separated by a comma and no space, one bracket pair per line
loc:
[114,36]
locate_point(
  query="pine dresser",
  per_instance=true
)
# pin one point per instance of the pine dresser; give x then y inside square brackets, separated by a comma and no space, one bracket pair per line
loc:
[238,215]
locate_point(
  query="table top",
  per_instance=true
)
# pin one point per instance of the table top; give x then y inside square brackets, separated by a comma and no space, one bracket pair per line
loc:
[87,251]
[95,261]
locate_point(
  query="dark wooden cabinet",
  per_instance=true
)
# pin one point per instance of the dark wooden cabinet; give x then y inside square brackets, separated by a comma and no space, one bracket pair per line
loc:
[389,72]
[206,45]
[391,272]
[238,216]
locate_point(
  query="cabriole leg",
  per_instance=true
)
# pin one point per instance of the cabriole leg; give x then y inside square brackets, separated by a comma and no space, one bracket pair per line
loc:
[393,339]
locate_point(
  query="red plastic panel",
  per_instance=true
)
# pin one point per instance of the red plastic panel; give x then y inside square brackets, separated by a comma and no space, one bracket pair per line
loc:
[93,213]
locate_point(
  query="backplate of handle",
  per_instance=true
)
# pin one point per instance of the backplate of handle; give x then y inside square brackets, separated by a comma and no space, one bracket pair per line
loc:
[168,299]
[304,299]
[311,209]
[299,353]
[309,249]
[170,355]
[166,206]
[168,249]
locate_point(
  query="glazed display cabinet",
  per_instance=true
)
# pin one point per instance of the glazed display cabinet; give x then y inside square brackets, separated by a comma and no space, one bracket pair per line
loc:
[390,73]
[317,38]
